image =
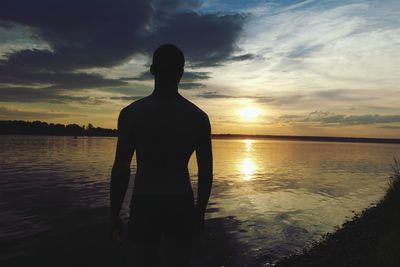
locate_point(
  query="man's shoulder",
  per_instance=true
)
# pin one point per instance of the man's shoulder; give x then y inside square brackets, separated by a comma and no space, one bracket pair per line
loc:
[140,107]
[195,110]
[135,106]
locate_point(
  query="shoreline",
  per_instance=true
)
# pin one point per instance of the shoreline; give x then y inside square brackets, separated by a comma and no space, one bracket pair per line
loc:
[328,139]
[371,238]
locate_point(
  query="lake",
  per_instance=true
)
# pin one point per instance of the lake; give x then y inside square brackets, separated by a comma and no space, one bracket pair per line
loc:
[272,197]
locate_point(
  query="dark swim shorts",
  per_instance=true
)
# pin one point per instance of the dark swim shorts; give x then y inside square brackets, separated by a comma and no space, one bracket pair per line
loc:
[152,216]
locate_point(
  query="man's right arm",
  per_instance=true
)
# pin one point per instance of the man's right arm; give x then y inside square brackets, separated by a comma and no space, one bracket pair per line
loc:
[205,167]
[121,169]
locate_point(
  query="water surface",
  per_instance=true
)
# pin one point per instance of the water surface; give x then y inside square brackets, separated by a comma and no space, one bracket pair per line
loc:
[275,197]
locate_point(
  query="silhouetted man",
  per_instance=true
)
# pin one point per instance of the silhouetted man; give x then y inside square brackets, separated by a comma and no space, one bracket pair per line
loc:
[164,129]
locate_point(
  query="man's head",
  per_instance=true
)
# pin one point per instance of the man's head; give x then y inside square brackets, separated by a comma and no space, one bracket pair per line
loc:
[168,62]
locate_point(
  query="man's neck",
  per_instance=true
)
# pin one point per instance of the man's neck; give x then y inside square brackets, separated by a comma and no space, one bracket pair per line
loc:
[165,89]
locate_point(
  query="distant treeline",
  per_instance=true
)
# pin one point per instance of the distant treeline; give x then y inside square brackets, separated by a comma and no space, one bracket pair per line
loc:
[44,128]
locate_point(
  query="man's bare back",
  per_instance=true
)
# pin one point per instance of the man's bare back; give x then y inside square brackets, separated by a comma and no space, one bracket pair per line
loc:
[166,132]
[164,129]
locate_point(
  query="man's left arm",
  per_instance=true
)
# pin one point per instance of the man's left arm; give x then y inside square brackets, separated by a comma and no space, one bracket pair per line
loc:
[120,172]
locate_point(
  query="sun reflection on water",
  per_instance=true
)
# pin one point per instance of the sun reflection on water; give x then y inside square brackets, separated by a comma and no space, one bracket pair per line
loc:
[248,143]
[248,166]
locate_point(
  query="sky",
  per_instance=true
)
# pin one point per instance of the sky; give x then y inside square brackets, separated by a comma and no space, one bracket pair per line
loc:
[291,67]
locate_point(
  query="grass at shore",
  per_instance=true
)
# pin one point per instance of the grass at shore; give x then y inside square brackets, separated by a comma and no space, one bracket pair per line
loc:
[371,239]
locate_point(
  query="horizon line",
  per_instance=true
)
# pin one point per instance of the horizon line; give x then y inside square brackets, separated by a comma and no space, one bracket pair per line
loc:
[395,140]
[311,138]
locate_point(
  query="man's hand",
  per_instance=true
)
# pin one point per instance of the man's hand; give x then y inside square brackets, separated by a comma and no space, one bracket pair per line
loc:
[116,230]
[199,220]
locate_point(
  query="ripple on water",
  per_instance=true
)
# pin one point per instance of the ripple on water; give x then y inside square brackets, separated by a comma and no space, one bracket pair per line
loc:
[269,198]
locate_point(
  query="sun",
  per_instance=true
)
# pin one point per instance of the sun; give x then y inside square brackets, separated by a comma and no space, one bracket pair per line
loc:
[249,113]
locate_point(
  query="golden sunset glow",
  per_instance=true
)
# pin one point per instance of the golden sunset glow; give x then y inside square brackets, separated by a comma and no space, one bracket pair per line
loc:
[248,79]
[248,143]
[249,113]
[247,166]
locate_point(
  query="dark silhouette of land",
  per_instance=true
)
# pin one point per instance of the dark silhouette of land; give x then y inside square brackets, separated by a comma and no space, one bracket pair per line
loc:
[309,138]
[44,128]
[19,127]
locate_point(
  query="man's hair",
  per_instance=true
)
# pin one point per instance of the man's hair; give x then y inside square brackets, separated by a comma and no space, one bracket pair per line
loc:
[167,58]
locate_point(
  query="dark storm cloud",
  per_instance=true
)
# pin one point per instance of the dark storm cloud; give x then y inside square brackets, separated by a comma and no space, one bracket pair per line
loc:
[102,38]
[44,94]
[80,33]
[207,40]
[173,5]
[101,33]
[59,80]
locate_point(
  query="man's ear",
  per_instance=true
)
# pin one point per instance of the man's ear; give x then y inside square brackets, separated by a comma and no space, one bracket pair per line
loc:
[152,69]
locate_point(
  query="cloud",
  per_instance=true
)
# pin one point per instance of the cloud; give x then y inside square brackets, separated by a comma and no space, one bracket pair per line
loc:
[30,95]
[323,45]
[58,80]
[243,57]
[216,95]
[344,94]
[188,76]
[189,80]
[303,50]
[290,99]
[6,112]
[102,34]
[329,97]
[328,118]
[80,35]
[191,85]
[173,5]
[206,39]
[130,98]
[289,116]
[394,127]
[144,76]
[345,101]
